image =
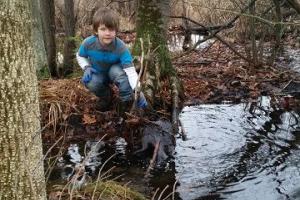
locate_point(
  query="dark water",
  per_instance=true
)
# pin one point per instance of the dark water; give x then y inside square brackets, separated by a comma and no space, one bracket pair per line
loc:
[239,152]
[242,151]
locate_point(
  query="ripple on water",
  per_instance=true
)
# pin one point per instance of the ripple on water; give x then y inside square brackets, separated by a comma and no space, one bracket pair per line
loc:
[237,153]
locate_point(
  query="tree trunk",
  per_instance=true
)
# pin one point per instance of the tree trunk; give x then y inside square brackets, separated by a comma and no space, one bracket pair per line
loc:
[21,165]
[69,43]
[295,4]
[39,45]
[151,23]
[151,27]
[48,14]
[278,29]
[186,45]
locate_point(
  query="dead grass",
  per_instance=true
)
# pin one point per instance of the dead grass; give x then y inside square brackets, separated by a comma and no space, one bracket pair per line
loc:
[60,98]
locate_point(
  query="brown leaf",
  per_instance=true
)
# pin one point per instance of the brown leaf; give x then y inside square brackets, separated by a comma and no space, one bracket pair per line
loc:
[89,119]
[55,195]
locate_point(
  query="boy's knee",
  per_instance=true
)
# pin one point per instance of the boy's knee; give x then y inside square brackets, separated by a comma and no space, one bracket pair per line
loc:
[95,84]
[116,73]
[98,86]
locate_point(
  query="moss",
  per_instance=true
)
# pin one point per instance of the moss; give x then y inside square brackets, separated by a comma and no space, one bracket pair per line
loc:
[43,73]
[109,189]
[104,190]
[150,25]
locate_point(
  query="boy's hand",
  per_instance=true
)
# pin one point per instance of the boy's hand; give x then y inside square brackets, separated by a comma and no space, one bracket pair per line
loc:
[141,102]
[87,75]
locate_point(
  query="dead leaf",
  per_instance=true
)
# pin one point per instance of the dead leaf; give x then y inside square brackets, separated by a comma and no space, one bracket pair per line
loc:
[89,119]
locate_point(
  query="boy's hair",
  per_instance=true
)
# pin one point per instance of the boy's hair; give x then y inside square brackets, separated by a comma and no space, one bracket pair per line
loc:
[107,17]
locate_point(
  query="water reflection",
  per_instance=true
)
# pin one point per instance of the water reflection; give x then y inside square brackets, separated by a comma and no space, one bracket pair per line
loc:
[294,56]
[242,151]
[175,42]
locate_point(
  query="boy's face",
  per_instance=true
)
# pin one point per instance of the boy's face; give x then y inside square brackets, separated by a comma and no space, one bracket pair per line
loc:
[106,35]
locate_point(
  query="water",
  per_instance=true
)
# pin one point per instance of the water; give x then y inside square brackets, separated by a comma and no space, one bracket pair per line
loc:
[236,152]
[294,55]
[240,151]
[175,42]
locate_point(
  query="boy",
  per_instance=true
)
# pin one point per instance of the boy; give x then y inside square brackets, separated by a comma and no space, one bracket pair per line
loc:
[105,59]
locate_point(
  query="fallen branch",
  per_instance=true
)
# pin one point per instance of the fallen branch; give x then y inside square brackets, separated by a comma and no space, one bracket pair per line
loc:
[183,133]
[205,30]
[175,103]
[153,160]
[138,87]
[295,5]
[214,33]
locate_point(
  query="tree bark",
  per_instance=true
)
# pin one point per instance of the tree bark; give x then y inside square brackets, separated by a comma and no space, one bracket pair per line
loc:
[21,169]
[39,44]
[69,44]
[278,29]
[48,14]
[151,23]
[252,30]
[152,19]
[295,4]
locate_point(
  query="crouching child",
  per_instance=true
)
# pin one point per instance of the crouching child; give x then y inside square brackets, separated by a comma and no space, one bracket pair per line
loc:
[106,59]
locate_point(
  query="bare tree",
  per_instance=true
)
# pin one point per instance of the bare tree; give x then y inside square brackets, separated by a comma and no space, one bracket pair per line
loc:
[295,4]
[39,45]
[48,18]
[21,169]
[69,43]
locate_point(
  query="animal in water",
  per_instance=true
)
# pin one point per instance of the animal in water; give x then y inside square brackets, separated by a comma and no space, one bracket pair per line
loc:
[158,131]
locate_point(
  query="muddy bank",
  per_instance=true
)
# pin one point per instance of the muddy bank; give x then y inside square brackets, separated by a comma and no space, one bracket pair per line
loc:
[210,75]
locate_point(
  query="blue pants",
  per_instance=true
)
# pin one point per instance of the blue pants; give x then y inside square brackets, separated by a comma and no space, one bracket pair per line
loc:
[99,84]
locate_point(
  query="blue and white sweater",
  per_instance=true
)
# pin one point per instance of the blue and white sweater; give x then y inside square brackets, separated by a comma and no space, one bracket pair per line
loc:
[92,53]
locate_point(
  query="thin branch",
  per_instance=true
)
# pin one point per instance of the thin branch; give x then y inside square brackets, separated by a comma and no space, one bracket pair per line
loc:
[137,87]
[49,150]
[115,1]
[214,34]
[152,161]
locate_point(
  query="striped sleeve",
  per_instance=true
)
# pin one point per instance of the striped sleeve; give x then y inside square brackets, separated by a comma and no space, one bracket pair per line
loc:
[82,51]
[125,55]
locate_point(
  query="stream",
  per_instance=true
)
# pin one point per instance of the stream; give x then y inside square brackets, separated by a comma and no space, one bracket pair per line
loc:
[232,151]
[239,152]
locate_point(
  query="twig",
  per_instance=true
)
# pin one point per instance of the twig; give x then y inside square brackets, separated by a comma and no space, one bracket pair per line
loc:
[156,191]
[175,103]
[152,161]
[174,187]
[162,192]
[98,177]
[214,33]
[103,176]
[137,87]
[147,57]
[39,163]
[173,192]
[183,133]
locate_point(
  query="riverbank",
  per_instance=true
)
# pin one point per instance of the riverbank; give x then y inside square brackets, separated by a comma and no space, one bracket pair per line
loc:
[216,74]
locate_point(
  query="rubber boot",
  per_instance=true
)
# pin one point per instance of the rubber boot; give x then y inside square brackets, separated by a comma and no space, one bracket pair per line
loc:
[123,107]
[104,103]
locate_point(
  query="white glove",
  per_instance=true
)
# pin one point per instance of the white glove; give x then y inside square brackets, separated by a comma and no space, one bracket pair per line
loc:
[82,61]
[132,76]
